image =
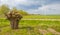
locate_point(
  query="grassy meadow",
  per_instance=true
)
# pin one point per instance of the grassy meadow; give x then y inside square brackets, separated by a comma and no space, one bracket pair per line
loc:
[32,27]
[41,17]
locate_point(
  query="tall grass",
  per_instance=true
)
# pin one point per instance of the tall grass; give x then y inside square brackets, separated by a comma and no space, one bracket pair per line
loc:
[28,27]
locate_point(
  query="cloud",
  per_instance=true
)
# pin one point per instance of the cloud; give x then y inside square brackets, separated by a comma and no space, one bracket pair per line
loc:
[48,9]
[35,6]
[21,3]
[14,2]
[24,2]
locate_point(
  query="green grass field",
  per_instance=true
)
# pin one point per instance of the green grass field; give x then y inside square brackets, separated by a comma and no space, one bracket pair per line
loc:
[41,17]
[38,17]
[30,27]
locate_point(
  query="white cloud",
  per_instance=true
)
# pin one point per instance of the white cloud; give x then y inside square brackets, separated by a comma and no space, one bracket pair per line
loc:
[48,9]
[23,2]
[46,5]
[16,2]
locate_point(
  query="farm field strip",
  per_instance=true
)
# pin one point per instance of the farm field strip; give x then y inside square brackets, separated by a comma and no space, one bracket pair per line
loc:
[38,19]
[43,19]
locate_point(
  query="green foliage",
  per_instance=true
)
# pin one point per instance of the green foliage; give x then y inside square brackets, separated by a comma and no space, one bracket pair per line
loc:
[22,12]
[14,9]
[4,9]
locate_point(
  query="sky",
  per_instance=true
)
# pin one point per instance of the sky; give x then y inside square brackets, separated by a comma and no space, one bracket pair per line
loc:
[45,7]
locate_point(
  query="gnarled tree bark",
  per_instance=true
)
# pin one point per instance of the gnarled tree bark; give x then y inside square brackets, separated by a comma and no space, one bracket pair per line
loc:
[14,18]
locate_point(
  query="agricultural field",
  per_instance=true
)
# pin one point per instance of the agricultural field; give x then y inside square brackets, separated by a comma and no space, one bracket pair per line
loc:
[41,17]
[37,17]
[32,27]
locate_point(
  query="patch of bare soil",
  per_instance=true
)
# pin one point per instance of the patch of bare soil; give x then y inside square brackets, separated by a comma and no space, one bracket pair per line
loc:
[53,31]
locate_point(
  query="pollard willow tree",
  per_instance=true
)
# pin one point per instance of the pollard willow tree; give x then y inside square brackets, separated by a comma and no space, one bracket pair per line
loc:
[14,17]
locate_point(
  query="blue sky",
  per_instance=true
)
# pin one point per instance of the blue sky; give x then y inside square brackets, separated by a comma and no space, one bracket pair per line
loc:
[35,6]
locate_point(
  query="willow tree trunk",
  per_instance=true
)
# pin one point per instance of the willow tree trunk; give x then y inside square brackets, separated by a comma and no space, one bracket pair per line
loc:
[13,17]
[14,24]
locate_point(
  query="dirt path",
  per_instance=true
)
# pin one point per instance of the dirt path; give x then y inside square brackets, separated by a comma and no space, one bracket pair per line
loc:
[53,31]
[43,31]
